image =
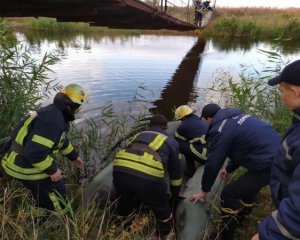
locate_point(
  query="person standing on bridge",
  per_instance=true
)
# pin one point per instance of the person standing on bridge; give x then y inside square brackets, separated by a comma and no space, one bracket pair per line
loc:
[249,143]
[191,138]
[138,173]
[284,223]
[34,140]
[200,9]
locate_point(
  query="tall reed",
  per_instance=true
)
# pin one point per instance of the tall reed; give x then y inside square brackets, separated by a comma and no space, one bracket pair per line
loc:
[23,80]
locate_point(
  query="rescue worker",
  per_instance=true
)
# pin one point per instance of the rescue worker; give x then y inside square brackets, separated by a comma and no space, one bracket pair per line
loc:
[191,137]
[36,138]
[139,170]
[248,142]
[284,223]
[200,9]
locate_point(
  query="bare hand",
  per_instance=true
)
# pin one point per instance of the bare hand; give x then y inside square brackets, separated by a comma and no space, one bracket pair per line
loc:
[56,176]
[78,163]
[255,237]
[223,173]
[197,197]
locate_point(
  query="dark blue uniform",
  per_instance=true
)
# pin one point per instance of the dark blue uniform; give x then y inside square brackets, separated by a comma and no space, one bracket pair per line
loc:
[191,138]
[249,143]
[285,187]
[200,8]
[30,158]
[139,170]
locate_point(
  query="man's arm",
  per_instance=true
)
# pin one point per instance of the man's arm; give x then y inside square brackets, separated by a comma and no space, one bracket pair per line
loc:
[286,221]
[174,168]
[40,143]
[217,153]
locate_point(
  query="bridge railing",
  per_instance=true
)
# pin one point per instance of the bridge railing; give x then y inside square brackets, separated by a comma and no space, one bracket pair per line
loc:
[181,9]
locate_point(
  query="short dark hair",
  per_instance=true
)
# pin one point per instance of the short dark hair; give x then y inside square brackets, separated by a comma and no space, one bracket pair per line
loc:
[158,120]
[290,74]
[210,110]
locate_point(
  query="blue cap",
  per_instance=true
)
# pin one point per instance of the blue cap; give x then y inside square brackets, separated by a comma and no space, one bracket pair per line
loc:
[210,110]
[159,120]
[290,74]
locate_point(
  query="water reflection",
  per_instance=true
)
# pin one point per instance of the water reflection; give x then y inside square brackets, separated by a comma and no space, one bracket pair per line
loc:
[113,65]
[233,44]
[180,90]
[288,46]
[83,40]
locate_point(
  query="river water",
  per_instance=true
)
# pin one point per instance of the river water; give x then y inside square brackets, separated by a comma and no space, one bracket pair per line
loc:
[164,70]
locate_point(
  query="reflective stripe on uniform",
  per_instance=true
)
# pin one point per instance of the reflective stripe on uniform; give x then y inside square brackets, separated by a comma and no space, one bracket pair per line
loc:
[140,163]
[67,150]
[282,229]
[19,172]
[61,141]
[222,125]
[200,155]
[246,204]
[179,136]
[176,182]
[146,158]
[286,149]
[23,131]
[138,167]
[158,142]
[166,220]
[10,162]
[229,211]
[44,164]
[42,140]
[17,175]
[55,202]
[201,139]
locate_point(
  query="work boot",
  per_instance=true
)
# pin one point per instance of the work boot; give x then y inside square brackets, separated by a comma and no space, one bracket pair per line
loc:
[164,228]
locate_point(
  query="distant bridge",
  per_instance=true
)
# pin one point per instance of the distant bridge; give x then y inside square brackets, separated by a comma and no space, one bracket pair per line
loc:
[122,14]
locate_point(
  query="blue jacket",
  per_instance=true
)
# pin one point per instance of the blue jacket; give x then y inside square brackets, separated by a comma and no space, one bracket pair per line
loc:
[247,141]
[143,163]
[204,5]
[192,129]
[36,137]
[285,188]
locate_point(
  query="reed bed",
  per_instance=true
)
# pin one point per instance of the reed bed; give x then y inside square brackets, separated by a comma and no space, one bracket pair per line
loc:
[255,23]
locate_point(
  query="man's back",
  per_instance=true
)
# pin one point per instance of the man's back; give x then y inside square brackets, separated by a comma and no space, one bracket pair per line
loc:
[247,141]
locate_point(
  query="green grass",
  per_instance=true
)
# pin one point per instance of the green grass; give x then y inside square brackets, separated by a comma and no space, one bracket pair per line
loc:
[19,219]
[50,25]
[255,23]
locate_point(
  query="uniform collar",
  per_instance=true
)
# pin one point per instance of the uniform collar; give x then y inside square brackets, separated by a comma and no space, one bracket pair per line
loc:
[68,115]
[296,117]
[157,129]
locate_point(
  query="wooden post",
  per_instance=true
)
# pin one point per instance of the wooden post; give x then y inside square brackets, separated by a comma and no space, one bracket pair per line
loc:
[166,2]
[188,11]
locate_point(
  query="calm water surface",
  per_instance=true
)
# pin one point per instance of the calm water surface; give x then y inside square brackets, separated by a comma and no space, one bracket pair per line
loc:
[166,71]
